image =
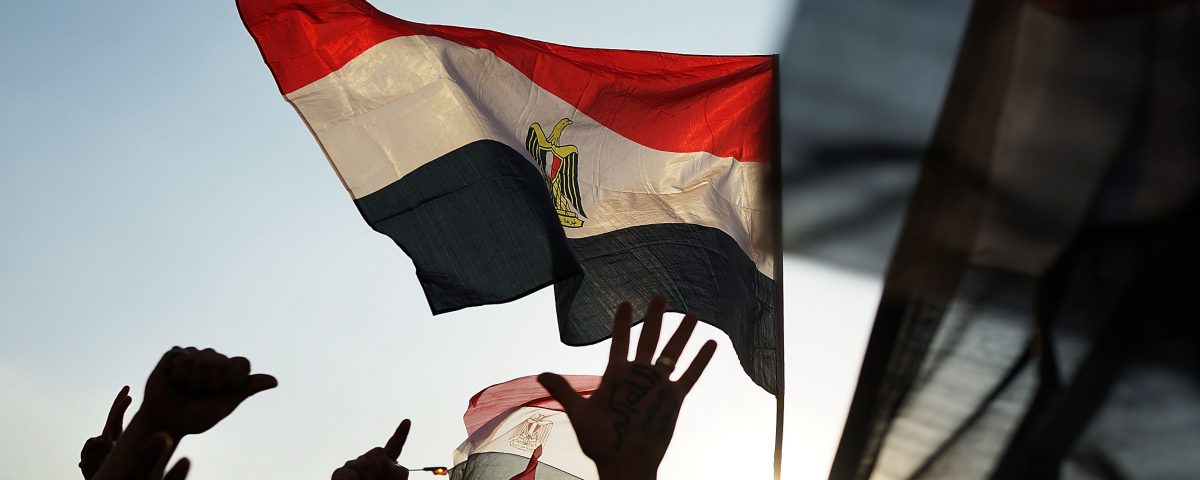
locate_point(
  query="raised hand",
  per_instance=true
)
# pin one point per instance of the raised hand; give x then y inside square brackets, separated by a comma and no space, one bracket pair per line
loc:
[191,390]
[378,463]
[144,461]
[96,449]
[627,424]
[188,392]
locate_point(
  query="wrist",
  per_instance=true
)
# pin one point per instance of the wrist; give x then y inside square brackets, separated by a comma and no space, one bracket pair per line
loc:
[620,471]
[144,426]
[134,439]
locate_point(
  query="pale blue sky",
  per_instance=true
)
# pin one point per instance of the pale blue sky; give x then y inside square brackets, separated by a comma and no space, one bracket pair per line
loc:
[155,190]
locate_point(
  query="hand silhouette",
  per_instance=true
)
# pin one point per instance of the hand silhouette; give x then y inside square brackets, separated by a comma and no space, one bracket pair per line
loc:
[627,424]
[143,462]
[191,390]
[96,449]
[188,392]
[378,463]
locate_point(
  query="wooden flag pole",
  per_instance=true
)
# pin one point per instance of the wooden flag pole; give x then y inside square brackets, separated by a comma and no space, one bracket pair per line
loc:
[777,243]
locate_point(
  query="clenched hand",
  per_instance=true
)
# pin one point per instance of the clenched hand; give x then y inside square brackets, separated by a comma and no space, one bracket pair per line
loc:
[191,390]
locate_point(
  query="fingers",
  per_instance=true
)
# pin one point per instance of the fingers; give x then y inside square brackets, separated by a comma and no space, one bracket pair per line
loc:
[373,465]
[239,372]
[688,380]
[204,366]
[345,473]
[215,373]
[361,468]
[561,391]
[95,451]
[116,415]
[179,471]
[674,348]
[393,471]
[622,322]
[96,446]
[181,366]
[219,378]
[395,444]
[650,330]
[257,383]
[165,366]
[378,463]
[210,372]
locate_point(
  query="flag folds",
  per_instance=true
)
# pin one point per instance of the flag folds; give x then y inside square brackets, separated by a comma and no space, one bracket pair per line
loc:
[501,165]
[515,430]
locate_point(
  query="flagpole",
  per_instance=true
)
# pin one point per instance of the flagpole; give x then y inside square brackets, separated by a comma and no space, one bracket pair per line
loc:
[777,221]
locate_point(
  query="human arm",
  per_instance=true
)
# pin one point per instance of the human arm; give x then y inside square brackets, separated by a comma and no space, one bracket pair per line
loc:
[188,392]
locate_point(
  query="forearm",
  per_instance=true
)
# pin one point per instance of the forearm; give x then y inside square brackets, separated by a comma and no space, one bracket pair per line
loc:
[146,427]
[626,472]
[136,437]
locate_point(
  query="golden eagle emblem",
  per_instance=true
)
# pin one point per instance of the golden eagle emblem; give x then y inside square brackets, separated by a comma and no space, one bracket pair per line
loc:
[560,169]
[531,434]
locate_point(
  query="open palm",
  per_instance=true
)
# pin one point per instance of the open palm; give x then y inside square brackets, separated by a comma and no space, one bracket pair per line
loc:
[627,424]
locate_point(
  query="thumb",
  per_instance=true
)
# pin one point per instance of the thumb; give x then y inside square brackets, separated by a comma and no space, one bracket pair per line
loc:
[257,383]
[558,388]
[179,471]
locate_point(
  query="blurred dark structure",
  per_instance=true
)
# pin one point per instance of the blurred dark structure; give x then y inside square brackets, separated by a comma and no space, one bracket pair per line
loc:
[861,84]
[1040,315]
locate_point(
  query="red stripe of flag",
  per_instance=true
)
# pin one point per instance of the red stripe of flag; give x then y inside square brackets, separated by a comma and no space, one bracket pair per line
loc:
[530,472]
[668,102]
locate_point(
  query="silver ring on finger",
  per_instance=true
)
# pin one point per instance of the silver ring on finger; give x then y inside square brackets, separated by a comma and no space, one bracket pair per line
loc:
[667,362]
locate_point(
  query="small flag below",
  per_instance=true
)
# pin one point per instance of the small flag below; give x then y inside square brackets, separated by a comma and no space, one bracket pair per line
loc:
[515,430]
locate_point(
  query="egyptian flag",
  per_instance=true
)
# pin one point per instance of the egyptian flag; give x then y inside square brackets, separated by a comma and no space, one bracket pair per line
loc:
[530,471]
[501,165]
[516,430]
